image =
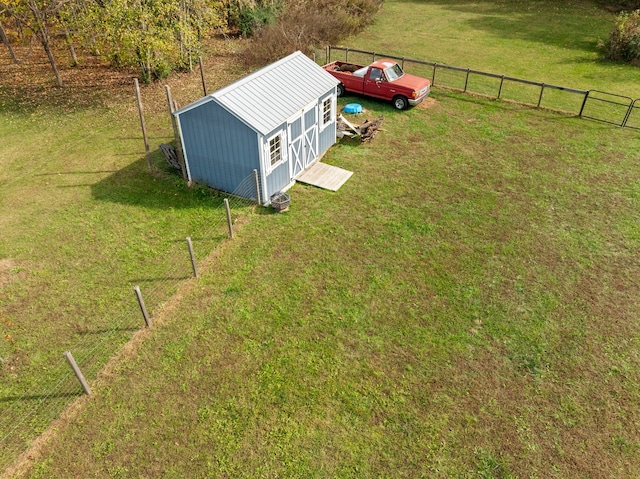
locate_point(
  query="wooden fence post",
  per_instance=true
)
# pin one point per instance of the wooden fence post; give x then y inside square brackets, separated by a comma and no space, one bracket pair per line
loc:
[257,181]
[143,308]
[176,134]
[229,222]
[147,151]
[193,257]
[77,372]
[204,84]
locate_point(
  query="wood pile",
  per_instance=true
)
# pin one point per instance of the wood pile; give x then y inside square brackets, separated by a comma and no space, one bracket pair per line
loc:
[366,131]
[369,128]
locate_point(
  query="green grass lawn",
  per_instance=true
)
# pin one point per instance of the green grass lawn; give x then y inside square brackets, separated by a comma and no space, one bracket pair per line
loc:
[465,306]
[83,221]
[542,40]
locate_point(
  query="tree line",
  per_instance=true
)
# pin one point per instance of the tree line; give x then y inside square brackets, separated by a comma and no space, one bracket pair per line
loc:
[161,36]
[154,36]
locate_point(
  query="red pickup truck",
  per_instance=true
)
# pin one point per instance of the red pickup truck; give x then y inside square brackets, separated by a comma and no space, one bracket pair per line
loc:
[382,79]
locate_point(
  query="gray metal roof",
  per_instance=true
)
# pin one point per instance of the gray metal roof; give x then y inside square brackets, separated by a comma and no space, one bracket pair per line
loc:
[273,94]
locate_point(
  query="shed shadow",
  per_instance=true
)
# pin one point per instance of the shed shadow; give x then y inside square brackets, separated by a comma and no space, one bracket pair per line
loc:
[160,189]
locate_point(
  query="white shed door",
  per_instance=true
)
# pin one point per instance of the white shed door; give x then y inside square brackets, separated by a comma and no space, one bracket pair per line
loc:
[310,134]
[296,146]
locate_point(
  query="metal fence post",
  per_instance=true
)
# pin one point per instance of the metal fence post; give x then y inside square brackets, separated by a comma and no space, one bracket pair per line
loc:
[327,54]
[629,112]
[433,78]
[500,89]
[77,372]
[540,98]
[466,80]
[373,59]
[584,103]
[346,55]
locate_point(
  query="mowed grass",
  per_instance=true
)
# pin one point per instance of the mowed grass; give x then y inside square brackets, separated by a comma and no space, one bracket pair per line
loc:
[82,221]
[541,40]
[465,306]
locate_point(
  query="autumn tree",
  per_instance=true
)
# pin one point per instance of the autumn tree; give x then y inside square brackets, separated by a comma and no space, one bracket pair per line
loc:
[5,40]
[38,16]
[156,36]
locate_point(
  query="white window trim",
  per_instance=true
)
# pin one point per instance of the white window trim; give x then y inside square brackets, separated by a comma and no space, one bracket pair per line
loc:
[283,150]
[332,113]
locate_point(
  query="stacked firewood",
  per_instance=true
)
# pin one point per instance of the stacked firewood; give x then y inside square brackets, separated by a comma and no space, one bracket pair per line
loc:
[369,128]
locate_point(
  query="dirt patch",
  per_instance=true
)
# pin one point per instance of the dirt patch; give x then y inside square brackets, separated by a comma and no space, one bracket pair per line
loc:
[427,103]
[10,271]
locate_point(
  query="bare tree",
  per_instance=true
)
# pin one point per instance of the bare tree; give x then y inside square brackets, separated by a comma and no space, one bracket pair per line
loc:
[5,40]
[37,16]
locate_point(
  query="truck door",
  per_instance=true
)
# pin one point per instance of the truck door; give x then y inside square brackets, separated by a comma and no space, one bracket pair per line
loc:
[375,84]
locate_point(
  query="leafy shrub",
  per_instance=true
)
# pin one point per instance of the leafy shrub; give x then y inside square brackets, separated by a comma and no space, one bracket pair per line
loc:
[250,17]
[623,43]
[307,25]
[252,20]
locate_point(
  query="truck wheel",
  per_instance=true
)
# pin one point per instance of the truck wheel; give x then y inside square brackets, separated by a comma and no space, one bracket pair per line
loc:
[340,89]
[400,102]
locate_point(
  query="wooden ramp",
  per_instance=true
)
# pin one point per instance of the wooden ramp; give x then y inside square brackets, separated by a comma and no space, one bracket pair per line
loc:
[325,176]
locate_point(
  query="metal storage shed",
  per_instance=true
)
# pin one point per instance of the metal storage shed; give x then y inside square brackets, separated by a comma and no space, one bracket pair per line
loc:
[279,120]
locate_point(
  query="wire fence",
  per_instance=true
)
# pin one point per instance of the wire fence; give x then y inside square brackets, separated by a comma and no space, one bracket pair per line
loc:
[595,105]
[26,415]
[29,413]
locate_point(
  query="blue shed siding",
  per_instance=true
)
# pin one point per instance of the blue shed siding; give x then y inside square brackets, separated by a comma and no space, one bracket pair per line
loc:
[296,128]
[221,150]
[278,179]
[327,137]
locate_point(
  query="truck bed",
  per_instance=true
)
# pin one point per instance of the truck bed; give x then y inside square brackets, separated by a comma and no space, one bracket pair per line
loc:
[338,68]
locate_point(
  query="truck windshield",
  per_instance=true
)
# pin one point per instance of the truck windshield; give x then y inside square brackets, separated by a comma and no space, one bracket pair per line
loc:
[394,72]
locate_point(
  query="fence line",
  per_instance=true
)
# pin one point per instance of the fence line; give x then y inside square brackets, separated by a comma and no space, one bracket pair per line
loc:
[52,392]
[593,104]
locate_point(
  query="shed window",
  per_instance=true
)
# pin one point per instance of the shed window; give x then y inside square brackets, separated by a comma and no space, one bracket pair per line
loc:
[275,150]
[326,111]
